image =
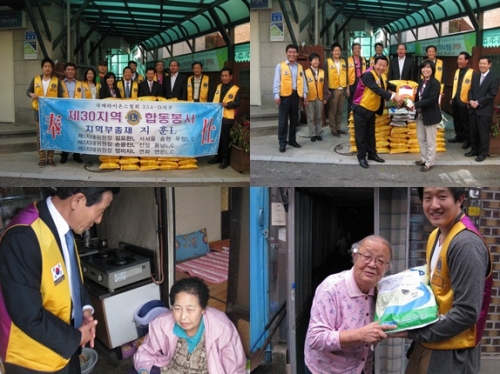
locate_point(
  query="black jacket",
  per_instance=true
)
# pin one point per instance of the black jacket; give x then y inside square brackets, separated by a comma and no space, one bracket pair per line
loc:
[408,70]
[484,93]
[429,103]
[156,89]
[180,87]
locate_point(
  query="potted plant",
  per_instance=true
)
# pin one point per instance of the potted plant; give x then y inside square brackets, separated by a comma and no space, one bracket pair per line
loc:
[240,146]
[495,132]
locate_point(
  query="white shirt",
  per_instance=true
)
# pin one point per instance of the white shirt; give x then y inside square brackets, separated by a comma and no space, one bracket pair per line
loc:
[172,80]
[401,62]
[45,84]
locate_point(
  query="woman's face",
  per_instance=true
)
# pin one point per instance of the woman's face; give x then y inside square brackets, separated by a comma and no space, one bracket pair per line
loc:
[90,75]
[110,80]
[426,71]
[188,312]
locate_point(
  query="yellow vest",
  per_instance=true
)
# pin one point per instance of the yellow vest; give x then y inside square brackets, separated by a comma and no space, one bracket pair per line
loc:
[334,79]
[86,90]
[466,85]
[56,299]
[372,62]
[441,286]
[351,69]
[370,100]
[315,87]
[230,95]
[76,94]
[134,89]
[38,89]
[286,86]
[138,78]
[203,94]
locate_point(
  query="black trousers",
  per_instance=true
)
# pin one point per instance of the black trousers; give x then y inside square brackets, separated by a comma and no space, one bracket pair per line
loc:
[289,108]
[461,121]
[480,134]
[364,132]
[223,152]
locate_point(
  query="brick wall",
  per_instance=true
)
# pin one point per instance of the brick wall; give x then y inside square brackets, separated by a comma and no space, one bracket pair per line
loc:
[489,226]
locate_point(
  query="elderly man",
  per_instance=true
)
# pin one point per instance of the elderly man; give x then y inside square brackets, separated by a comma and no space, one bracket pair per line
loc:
[341,329]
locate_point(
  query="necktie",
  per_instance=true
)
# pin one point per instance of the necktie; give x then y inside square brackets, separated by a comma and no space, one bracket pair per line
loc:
[75,280]
[482,79]
[127,89]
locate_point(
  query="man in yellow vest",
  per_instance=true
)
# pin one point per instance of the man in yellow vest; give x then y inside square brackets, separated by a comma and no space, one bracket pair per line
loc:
[228,95]
[336,78]
[128,88]
[431,51]
[136,77]
[369,99]
[288,87]
[46,311]
[356,66]
[461,277]
[198,84]
[462,83]
[317,95]
[49,86]
[72,89]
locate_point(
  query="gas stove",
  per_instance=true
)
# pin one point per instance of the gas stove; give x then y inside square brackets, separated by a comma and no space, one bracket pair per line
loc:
[116,268]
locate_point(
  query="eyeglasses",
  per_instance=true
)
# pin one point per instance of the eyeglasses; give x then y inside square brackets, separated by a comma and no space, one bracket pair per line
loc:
[379,261]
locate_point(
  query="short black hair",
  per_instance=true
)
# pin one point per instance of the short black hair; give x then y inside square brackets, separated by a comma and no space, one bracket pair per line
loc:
[378,44]
[466,55]
[292,46]
[86,72]
[228,69]
[457,192]
[196,63]
[381,57]
[403,44]
[132,62]
[354,45]
[150,68]
[103,63]
[431,64]
[312,56]
[170,63]
[49,60]
[336,44]
[430,46]
[192,285]
[67,64]
[92,194]
[127,67]
[486,57]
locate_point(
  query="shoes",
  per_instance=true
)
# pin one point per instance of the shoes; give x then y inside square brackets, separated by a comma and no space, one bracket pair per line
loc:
[215,160]
[41,163]
[51,163]
[471,154]
[224,165]
[363,163]
[480,158]
[419,163]
[77,158]
[455,140]
[466,145]
[425,168]
[282,149]
[336,134]
[376,158]
[313,138]
[295,144]
[319,138]
[64,158]
[342,132]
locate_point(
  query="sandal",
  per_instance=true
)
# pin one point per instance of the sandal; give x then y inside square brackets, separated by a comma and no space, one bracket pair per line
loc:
[41,163]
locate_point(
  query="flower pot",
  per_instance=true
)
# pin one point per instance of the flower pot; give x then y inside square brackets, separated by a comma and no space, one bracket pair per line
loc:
[239,161]
[494,146]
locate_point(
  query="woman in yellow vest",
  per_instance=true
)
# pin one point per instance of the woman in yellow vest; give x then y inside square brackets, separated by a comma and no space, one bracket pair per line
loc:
[316,97]
[336,76]
[90,87]
[49,86]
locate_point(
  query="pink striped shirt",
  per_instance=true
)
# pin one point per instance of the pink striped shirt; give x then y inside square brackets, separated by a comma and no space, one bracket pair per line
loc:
[338,305]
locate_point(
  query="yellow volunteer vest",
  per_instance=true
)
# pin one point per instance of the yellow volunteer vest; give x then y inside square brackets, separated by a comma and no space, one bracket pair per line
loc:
[286,80]
[466,85]
[441,286]
[230,95]
[372,62]
[86,90]
[23,350]
[315,88]
[370,100]
[351,69]
[138,78]
[38,89]
[203,95]
[78,90]
[134,89]
[334,79]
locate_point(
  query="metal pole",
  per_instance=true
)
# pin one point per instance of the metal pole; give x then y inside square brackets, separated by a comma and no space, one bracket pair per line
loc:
[316,22]
[68,31]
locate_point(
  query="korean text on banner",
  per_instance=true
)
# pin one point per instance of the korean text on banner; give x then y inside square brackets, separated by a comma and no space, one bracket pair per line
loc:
[130,128]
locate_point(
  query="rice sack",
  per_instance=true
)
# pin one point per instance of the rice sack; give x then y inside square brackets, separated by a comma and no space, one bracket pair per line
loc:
[405,299]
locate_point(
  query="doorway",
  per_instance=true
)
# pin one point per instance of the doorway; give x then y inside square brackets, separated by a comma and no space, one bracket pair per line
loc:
[7,108]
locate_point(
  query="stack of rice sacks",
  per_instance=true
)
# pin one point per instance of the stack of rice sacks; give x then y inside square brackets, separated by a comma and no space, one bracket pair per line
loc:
[382,132]
[147,163]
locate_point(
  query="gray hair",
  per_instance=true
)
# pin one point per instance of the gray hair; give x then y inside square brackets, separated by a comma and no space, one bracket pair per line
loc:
[356,246]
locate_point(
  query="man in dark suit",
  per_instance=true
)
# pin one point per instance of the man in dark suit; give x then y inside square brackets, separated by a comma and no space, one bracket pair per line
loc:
[402,67]
[150,87]
[46,313]
[176,83]
[481,95]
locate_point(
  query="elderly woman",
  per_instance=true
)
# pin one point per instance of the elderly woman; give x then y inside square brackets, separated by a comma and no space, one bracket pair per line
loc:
[428,114]
[192,338]
[341,330]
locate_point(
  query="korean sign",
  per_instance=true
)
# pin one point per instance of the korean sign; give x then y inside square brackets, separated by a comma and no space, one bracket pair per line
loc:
[130,128]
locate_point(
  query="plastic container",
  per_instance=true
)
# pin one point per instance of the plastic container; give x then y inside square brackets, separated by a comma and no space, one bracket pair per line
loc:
[88,359]
[146,313]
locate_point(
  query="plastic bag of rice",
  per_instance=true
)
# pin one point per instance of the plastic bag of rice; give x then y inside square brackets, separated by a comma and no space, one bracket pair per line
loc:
[405,299]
